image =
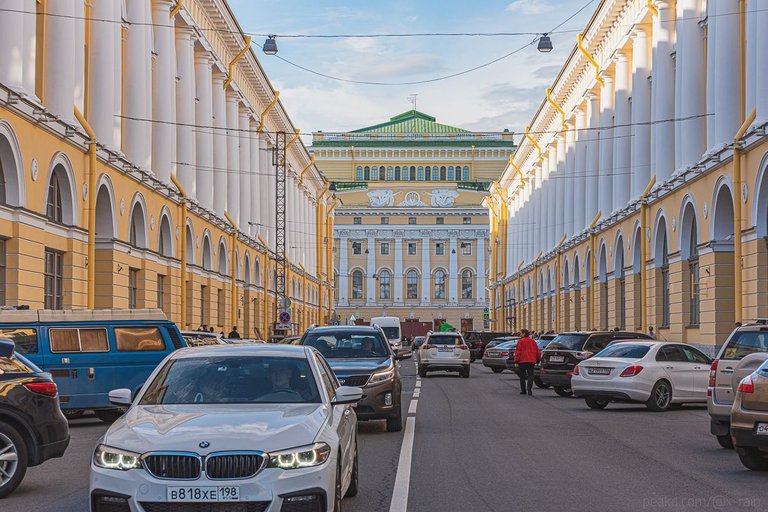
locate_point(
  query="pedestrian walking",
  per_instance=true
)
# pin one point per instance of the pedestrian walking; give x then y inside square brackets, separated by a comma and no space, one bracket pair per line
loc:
[527,354]
[651,334]
[233,334]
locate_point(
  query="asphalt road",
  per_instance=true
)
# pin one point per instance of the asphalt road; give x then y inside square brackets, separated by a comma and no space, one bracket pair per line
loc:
[479,445]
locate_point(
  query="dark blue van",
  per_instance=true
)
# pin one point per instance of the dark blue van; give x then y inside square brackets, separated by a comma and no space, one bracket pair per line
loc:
[90,352]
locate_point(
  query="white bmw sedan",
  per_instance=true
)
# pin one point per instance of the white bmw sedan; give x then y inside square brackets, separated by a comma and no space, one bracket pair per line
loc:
[658,374]
[233,428]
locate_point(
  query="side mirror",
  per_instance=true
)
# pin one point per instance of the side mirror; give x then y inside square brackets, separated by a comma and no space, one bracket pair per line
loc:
[6,347]
[347,395]
[121,396]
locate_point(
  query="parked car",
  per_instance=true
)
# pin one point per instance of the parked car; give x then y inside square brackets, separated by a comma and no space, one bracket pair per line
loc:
[202,338]
[236,427]
[749,419]
[361,356]
[444,351]
[570,348]
[89,352]
[658,374]
[496,354]
[476,341]
[417,342]
[542,342]
[742,353]
[32,427]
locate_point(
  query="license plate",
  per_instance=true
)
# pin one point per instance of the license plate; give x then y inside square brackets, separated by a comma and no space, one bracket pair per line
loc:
[761,429]
[556,359]
[445,349]
[203,494]
[599,371]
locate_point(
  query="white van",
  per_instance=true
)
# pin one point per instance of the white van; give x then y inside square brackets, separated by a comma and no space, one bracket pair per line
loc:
[391,327]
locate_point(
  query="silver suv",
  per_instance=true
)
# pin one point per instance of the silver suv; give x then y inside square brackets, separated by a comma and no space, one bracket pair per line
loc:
[744,351]
[443,351]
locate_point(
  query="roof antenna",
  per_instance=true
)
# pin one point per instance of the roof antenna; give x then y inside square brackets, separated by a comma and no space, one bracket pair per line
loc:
[412,98]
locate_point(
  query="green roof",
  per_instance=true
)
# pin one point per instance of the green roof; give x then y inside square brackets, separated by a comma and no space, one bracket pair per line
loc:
[412,121]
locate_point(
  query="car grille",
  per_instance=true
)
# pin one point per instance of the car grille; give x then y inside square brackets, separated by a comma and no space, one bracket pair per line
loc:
[173,466]
[354,380]
[254,506]
[235,465]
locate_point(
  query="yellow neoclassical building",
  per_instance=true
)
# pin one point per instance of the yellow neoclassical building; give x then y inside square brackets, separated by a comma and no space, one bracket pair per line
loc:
[639,197]
[136,168]
[411,232]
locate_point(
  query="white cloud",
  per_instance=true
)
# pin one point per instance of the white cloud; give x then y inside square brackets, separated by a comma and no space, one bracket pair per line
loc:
[530,7]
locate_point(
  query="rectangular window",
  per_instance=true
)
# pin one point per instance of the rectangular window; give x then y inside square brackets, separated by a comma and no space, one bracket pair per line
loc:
[357,220]
[139,339]
[384,248]
[467,220]
[665,296]
[439,249]
[357,248]
[78,340]
[411,248]
[220,306]
[411,220]
[54,270]
[204,305]
[161,291]
[694,305]
[2,272]
[133,288]
[622,303]
[385,220]
[466,248]
[440,220]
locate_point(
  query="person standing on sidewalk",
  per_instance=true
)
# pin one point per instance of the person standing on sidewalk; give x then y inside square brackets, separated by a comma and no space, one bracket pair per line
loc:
[527,354]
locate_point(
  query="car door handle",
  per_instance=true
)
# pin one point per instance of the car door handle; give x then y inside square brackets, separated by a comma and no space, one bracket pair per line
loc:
[669,367]
[697,367]
[726,370]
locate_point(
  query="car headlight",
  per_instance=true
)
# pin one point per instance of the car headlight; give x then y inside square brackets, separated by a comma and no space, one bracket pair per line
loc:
[382,376]
[114,458]
[303,457]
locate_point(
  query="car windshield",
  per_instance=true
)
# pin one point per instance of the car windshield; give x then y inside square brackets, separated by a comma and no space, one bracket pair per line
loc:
[444,339]
[744,343]
[392,333]
[568,342]
[624,351]
[348,345]
[507,344]
[233,380]
[544,343]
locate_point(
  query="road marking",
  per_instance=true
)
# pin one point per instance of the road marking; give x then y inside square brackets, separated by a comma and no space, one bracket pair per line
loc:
[403,479]
[418,383]
[416,394]
[412,407]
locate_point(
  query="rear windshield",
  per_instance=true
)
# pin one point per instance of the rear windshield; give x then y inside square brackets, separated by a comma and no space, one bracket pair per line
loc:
[743,343]
[348,345]
[392,333]
[568,342]
[507,344]
[624,351]
[442,339]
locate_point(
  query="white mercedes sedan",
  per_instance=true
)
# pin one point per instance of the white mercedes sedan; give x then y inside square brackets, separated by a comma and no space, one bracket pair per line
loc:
[235,428]
[658,374]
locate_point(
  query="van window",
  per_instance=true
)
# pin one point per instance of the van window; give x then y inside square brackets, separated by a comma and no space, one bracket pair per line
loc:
[139,339]
[744,343]
[24,338]
[78,340]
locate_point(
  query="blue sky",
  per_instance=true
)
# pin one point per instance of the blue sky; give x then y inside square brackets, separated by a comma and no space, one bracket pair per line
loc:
[503,95]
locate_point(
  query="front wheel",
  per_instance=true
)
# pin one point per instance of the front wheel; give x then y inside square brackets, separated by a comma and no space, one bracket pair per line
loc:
[352,489]
[464,372]
[422,371]
[564,392]
[661,397]
[593,403]
[13,459]
[497,370]
[752,459]
[337,496]
[395,424]
[725,441]
[539,383]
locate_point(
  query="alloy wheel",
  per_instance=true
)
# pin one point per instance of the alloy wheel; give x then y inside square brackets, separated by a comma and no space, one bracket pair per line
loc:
[662,396]
[9,459]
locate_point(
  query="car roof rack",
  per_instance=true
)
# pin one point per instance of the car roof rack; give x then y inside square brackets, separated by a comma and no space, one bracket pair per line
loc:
[760,321]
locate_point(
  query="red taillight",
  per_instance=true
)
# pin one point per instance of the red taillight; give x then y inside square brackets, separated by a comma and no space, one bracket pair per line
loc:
[713,373]
[462,347]
[746,385]
[631,371]
[504,354]
[575,370]
[42,388]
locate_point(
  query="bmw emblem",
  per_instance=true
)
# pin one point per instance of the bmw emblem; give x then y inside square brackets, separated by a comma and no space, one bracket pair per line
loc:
[204,444]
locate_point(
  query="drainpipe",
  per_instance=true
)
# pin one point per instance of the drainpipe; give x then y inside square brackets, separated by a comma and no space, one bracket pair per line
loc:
[91,296]
[533,142]
[737,184]
[177,8]
[580,44]
[536,292]
[519,296]
[558,279]
[234,61]
[644,254]
[557,107]
[652,8]
[233,278]
[183,206]
[263,116]
[591,310]
[304,171]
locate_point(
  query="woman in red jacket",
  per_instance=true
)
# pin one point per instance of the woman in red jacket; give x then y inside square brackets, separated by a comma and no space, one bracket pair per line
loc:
[527,354]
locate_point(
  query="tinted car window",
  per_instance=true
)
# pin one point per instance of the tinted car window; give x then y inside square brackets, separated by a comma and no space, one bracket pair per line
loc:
[348,344]
[139,339]
[568,342]
[624,351]
[392,333]
[598,342]
[743,343]
[444,339]
[695,356]
[24,338]
[233,380]
[671,353]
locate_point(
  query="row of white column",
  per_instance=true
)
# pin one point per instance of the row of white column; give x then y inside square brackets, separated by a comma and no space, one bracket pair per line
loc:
[661,107]
[164,108]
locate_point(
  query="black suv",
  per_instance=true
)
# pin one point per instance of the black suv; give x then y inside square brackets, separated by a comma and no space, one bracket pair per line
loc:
[361,356]
[477,341]
[569,349]
[32,427]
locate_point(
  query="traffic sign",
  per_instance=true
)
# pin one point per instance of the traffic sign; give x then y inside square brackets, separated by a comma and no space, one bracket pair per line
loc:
[285,317]
[486,309]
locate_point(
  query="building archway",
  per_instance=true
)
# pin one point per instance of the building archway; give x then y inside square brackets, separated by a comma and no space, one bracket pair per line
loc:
[689,256]
[11,168]
[61,192]
[602,289]
[137,230]
[718,258]
[661,273]
[620,284]
[106,233]
[576,296]
[165,245]
[207,252]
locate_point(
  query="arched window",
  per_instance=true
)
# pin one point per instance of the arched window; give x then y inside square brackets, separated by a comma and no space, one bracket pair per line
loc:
[357,284]
[450,173]
[222,258]
[54,210]
[427,173]
[389,173]
[367,173]
[412,285]
[690,251]
[2,184]
[207,257]
[384,285]
[375,173]
[359,173]
[257,272]
[137,235]
[423,176]
[466,173]
[443,173]
[165,239]
[397,173]
[466,284]
[413,173]
[439,284]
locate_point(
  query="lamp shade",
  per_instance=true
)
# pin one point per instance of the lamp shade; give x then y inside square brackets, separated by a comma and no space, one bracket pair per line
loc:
[270,46]
[545,44]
